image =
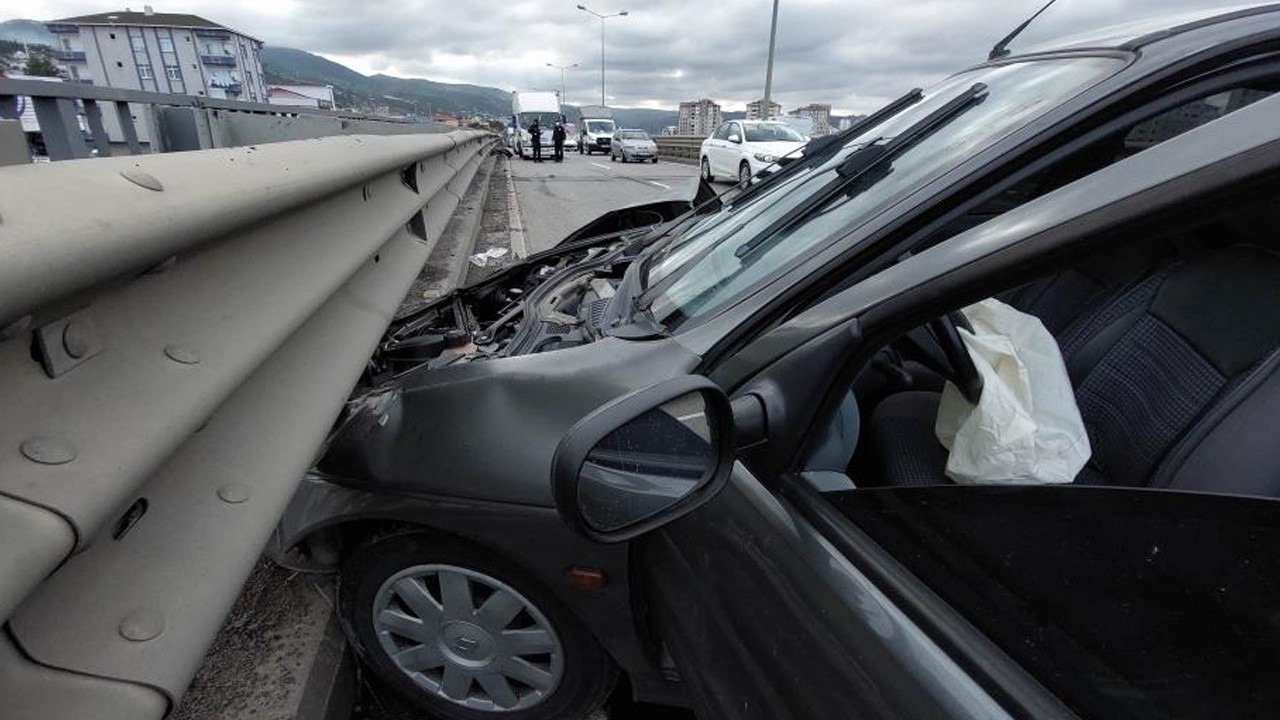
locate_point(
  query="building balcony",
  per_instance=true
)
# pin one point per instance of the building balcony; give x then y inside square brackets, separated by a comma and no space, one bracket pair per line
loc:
[62,28]
[69,55]
[225,60]
[230,87]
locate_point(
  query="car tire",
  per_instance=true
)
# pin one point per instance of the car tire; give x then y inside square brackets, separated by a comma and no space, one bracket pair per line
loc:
[706,170]
[578,674]
[655,161]
[744,175]
[613,158]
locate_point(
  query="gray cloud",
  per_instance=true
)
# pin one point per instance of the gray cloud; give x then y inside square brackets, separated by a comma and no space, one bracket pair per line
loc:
[854,54]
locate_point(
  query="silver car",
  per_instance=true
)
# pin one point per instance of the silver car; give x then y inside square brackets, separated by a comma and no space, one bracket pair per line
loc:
[631,144]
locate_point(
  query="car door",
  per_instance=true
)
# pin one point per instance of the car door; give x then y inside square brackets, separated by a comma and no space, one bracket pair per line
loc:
[715,146]
[779,597]
[731,152]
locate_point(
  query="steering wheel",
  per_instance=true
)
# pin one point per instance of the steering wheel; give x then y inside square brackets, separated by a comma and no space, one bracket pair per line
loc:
[965,374]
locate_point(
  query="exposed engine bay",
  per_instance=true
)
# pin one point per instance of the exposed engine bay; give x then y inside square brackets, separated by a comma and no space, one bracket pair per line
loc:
[560,298]
[557,303]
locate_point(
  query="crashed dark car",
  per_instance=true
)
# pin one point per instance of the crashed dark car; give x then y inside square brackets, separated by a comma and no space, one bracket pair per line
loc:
[695,443]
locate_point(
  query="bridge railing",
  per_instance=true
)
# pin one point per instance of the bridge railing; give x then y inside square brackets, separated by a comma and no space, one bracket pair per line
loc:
[177,334]
[682,147]
[79,121]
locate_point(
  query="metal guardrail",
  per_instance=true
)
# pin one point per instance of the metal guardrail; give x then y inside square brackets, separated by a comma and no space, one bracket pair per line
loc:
[177,333]
[109,116]
[685,147]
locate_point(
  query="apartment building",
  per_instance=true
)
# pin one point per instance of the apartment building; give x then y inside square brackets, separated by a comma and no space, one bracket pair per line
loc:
[161,52]
[698,117]
[820,114]
[753,110]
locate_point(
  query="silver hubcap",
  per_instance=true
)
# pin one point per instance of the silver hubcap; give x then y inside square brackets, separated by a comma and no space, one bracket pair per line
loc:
[744,175]
[467,638]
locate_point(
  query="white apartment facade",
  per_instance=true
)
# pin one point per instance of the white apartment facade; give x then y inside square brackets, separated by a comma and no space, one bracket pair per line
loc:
[820,114]
[161,52]
[698,117]
[755,106]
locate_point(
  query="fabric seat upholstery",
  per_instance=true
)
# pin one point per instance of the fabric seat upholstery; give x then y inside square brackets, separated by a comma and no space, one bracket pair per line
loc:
[1160,373]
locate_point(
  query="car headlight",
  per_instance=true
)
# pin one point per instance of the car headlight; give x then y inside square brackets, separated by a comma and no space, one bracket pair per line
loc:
[764,157]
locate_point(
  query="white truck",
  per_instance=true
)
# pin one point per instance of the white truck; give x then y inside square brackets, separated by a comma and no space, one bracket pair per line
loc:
[595,131]
[527,107]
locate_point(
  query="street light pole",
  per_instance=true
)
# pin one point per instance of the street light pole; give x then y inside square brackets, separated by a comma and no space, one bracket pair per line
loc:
[768,73]
[562,68]
[602,18]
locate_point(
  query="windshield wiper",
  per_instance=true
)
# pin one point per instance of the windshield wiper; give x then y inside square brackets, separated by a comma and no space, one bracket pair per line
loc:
[818,149]
[815,151]
[864,160]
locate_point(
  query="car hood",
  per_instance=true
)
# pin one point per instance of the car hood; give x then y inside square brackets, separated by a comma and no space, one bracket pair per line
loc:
[488,430]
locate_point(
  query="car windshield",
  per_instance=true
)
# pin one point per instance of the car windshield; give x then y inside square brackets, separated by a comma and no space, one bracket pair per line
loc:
[703,269]
[599,127]
[547,120]
[633,135]
[770,132]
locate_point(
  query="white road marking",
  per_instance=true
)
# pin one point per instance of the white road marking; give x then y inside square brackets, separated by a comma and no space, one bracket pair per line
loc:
[664,187]
[606,167]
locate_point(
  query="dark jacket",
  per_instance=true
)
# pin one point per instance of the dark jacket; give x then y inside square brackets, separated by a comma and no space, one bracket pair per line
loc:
[558,135]
[535,133]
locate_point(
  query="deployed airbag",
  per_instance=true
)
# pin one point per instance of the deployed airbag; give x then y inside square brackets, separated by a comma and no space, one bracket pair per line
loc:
[1026,427]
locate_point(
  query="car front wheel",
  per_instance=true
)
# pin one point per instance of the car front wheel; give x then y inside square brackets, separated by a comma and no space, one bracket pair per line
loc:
[706,170]
[744,174]
[466,636]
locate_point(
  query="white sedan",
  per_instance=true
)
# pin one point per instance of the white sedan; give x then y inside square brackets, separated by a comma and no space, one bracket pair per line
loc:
[741,148]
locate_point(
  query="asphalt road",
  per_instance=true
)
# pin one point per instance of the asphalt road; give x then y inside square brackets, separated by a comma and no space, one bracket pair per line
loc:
[557,198]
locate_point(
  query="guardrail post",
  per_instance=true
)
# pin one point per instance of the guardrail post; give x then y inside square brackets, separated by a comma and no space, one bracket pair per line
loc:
[9,107]
[127,127]
[60,128]
[183,128]
[99,131]
[13,144]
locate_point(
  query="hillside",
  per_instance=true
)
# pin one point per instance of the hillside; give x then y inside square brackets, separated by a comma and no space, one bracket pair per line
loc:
[401,94]
[26,31]
[366,92]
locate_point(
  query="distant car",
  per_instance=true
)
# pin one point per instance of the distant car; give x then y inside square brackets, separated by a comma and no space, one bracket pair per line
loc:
[633,145]
[742,148]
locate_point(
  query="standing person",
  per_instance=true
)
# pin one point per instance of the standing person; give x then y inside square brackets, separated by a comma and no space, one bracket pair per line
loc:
[558,137]
[535,136]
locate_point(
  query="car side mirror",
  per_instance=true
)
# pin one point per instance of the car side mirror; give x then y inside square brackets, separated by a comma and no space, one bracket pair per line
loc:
[734,138]
[644,459]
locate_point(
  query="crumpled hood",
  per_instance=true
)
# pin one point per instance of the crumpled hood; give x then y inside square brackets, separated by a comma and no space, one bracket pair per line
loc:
[487,430]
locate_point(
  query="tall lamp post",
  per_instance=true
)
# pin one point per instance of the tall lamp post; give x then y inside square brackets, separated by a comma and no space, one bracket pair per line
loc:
[602,18]
[768,73]
[562,68]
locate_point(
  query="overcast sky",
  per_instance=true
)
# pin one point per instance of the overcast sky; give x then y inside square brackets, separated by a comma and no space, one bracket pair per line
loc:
[854,54]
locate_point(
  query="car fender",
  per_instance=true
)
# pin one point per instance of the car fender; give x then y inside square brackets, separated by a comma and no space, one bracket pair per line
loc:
[534,539]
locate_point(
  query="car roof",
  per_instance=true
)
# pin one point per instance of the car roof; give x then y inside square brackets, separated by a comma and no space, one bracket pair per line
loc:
[1135,34]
